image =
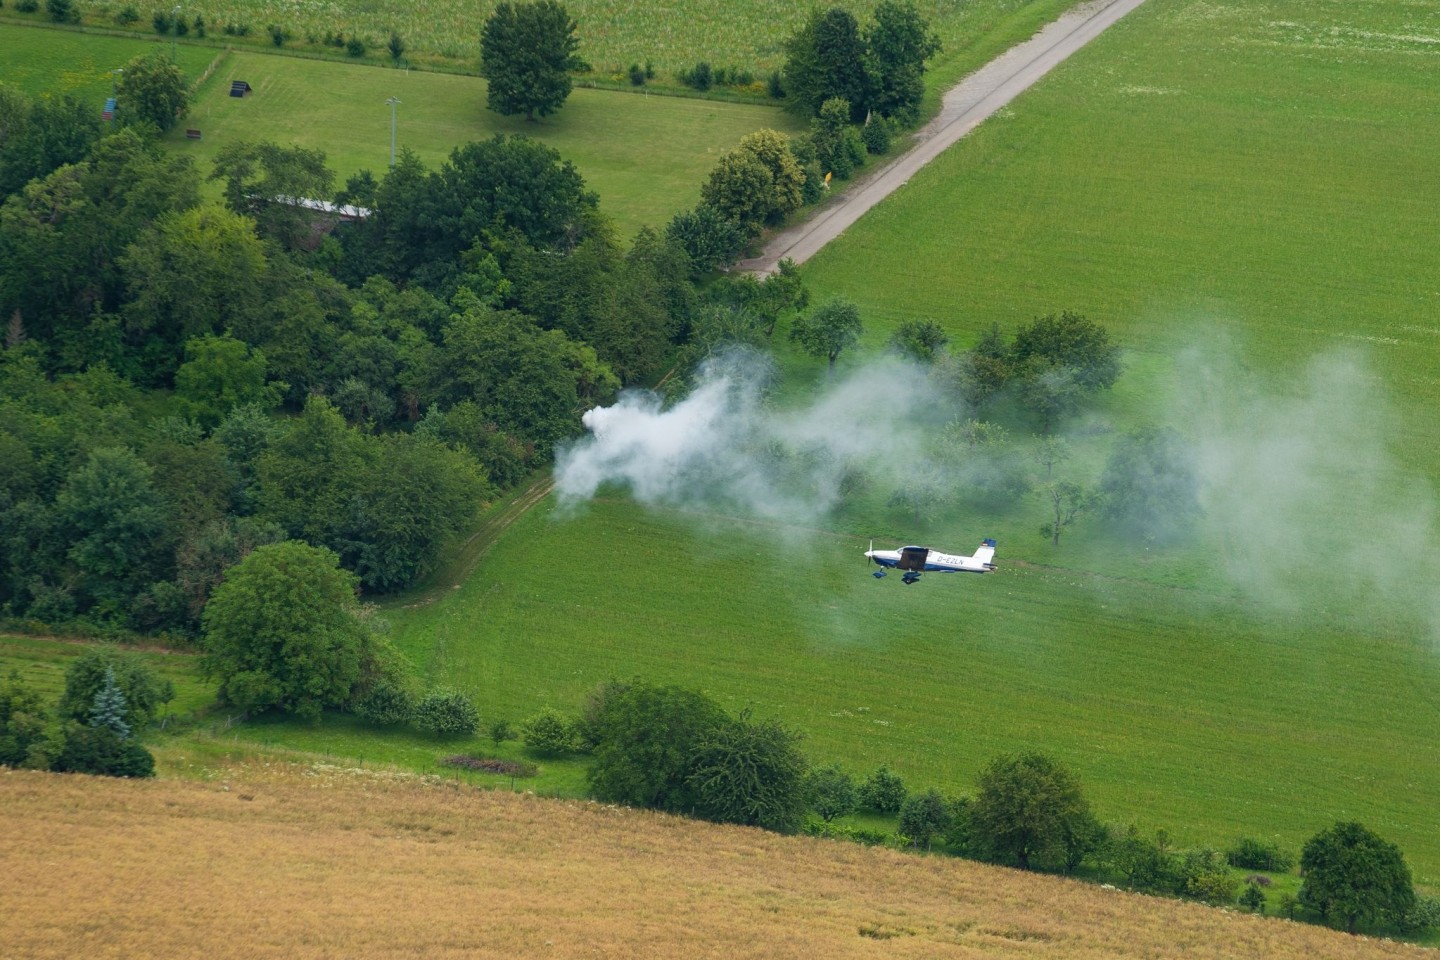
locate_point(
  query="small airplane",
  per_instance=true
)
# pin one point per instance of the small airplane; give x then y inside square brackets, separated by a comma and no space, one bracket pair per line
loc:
[917,560]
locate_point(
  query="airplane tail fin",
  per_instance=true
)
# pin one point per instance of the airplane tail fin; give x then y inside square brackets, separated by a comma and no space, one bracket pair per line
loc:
[985,553]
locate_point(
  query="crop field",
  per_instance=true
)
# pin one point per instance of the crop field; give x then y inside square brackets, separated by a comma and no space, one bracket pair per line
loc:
[370,864]
[644,175]
[613,34]
[41,60]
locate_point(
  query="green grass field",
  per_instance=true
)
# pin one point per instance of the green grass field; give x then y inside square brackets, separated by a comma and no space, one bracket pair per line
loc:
[646,156]
[40,60]
[612,34]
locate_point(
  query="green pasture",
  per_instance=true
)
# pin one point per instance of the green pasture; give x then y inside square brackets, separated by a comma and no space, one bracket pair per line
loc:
[1178,708]
[613,34]
[41,60]
[42,663]
[1204,172]
[645,156]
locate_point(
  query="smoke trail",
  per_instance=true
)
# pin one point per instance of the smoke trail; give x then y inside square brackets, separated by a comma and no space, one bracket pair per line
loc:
[722,447]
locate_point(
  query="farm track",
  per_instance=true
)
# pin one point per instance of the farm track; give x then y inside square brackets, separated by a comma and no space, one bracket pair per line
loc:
[478,544]
[967,104]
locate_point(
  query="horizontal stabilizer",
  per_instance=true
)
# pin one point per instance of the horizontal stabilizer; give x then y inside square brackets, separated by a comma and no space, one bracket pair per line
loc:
[986,551]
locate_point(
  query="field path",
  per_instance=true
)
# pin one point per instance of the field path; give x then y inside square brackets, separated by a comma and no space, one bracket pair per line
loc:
[964,107]
[483,538]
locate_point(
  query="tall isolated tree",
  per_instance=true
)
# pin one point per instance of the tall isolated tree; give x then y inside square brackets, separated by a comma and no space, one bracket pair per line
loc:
[151,90]
[526,53]
[897,44]
[825,59]
[828,330]
[1352,876]
[284,631]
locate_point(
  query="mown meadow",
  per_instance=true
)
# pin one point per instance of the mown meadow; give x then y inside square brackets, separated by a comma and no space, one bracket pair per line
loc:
[643,176]
[56,61]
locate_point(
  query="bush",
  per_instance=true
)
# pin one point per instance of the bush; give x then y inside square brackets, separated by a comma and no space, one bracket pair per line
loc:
[549,734]
[27,6]
[386,705]
[882,792]
[1252,898]
[698,78]
[181,27]
[355,47]
[775,86]
[925,816]
[199,25]
[396,47]
[446,713]
[127,15]
[278,36]
[1423,916]
[162,22]
[144,690]
[752,774]
[100,750]
[876,135]
[637,75]
[830,792]
[1251,854]
[1204,876]
[62,11]
[707,236]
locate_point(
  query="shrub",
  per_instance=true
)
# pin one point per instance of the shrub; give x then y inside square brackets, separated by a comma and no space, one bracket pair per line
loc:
[396,47]
[127,15]
[637,75]
[752,774]
[1204,876]
[100,750]
[699,77]
[162,22]
[22,721]
[509,768]
[181,27]
[446,713]
[199,25]
[278,36]
[1251,854]
[707,236]
[386,705]
[1424,915]
[355,47]
[549,734]
[876,135]
[775,86]
[830,792]
[882,791]
[27,6]
[1252,898]
[144,690]
[62,11]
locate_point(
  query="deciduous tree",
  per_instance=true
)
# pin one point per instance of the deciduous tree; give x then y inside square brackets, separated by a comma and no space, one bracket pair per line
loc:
[526,53]
[151,90]
[284,631]
[1029,809]
[897,44]
[1354,877]
[752,773]
[828,330]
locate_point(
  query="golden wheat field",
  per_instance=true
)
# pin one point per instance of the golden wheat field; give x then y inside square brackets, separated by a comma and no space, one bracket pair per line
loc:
[318,861]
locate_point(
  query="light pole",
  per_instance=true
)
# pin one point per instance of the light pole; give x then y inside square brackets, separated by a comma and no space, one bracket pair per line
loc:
[175,30]
[392,101]
[114,78]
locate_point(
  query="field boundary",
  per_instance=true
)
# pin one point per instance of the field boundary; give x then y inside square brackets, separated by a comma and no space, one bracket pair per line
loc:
[965,106]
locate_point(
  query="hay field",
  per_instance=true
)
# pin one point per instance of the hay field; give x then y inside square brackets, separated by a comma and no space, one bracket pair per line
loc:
[317,861]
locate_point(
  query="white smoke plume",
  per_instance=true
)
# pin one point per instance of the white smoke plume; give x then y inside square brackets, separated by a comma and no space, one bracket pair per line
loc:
[723,448]
[1304,496]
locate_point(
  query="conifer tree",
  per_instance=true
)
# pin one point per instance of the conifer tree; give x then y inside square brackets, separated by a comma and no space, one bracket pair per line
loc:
[109,707]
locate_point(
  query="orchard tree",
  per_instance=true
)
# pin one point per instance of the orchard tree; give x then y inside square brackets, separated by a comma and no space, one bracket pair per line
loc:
[920,340]
[151,90]
[1353,876]
[831,793]
[827,330]
[1065,501]
[527,51]
[1029,808]
[284,630]
[924,816]
[882,791]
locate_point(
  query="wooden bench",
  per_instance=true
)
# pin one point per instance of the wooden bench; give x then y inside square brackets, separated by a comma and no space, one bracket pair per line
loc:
[192,134]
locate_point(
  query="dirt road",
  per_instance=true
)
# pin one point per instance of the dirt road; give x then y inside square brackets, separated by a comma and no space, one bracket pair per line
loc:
[970,102]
